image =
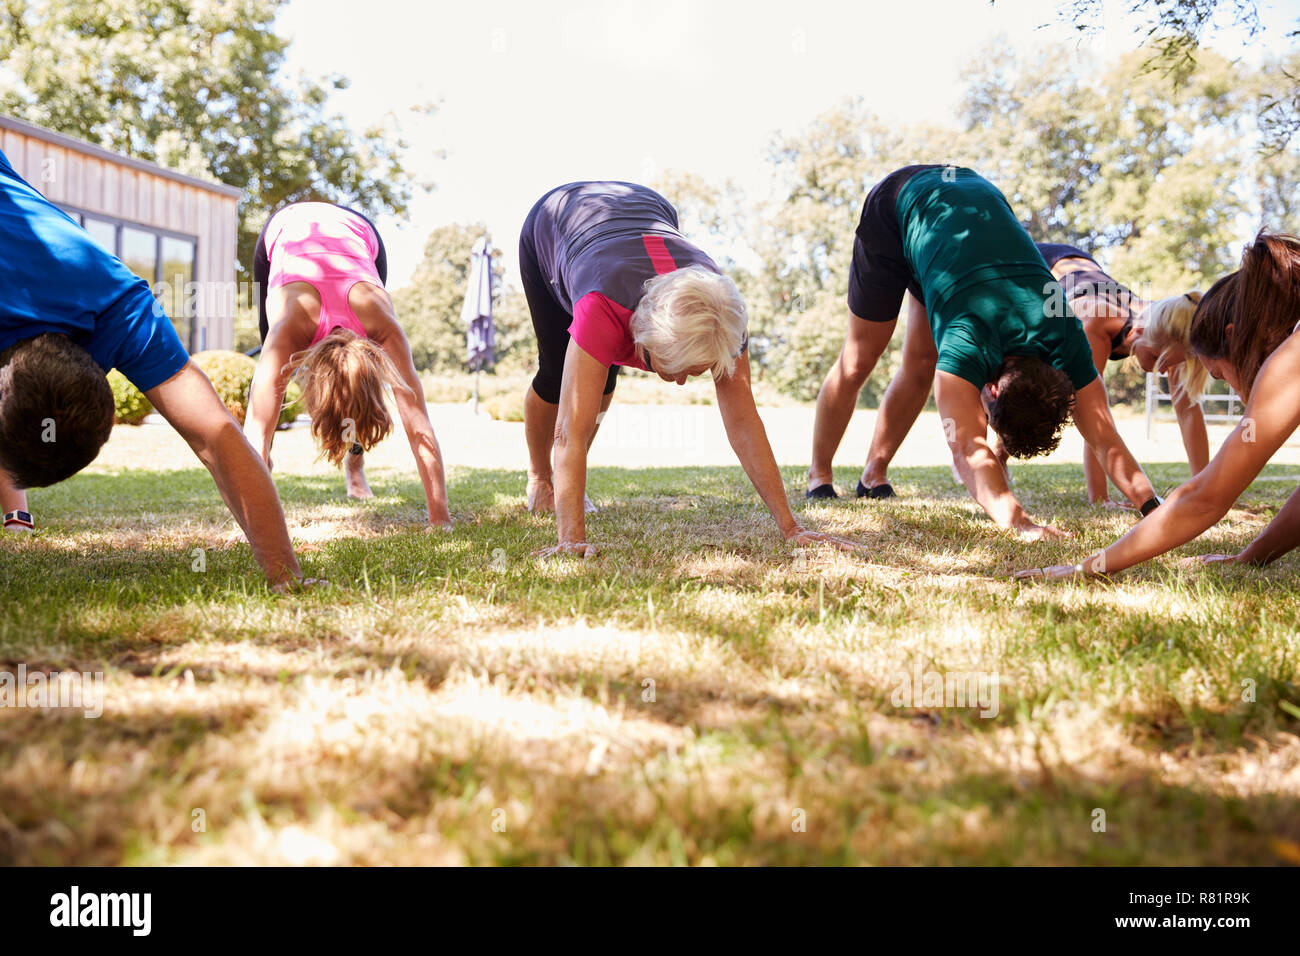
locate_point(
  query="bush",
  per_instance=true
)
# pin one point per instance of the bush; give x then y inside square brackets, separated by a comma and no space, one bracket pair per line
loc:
[811,343]
[129,404]
[230,373]
[507,407]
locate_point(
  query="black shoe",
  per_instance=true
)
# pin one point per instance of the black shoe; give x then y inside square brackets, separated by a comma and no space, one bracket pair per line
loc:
[822,491]
[879,491]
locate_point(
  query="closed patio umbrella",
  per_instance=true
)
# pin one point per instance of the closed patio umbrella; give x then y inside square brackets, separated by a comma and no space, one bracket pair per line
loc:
[480,334]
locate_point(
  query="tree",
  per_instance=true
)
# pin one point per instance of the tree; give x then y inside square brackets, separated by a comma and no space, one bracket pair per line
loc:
[1175,34]
[195,86]
[805,242]
[429,308]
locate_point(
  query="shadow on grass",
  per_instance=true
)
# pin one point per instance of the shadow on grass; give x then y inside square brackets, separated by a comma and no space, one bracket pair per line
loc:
[686,551]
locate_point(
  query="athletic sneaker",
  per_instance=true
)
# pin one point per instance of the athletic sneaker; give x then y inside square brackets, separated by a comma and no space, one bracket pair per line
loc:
[884,490]
[821,491]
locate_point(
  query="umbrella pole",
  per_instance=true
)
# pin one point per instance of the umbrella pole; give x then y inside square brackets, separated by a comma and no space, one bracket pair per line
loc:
[476,371]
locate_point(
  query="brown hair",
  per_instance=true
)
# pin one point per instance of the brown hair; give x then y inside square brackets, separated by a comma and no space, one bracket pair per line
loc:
[1033,404]
[1267,303]
[56,410]
[1208,336]
[342,379]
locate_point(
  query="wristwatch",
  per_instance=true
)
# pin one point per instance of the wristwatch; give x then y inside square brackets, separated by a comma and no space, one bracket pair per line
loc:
[1151,504]
[19,519]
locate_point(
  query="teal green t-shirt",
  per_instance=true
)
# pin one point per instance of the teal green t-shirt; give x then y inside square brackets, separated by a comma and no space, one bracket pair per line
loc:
[988,292]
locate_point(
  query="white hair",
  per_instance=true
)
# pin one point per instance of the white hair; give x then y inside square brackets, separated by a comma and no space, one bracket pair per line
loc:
[691,317]
[1166,325]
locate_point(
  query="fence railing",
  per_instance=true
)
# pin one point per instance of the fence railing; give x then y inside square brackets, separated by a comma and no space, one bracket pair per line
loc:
[1156,396]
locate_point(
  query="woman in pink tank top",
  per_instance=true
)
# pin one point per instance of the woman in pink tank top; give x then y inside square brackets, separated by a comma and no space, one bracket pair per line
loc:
[327,321]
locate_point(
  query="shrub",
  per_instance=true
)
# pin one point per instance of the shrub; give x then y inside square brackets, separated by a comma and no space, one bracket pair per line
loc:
[230,373]
[508,407]
[129,404]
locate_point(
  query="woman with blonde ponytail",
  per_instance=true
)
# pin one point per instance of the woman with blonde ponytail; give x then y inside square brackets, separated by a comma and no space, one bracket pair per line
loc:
[327,322]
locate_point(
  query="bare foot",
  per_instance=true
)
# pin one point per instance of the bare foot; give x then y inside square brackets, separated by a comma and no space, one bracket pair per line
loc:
[357,487]
[541,495]
[355,476]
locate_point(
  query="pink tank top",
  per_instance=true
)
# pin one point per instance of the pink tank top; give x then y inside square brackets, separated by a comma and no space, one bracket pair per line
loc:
[329,248]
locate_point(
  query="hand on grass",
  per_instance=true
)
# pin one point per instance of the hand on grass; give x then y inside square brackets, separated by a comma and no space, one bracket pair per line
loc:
[1060,572]
[1030,532]
[582,549]
[1114,505]
[293,585]
[804,536]
[1200,560]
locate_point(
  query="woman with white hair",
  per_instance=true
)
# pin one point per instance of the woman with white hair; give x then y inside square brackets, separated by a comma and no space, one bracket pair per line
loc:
[611,281]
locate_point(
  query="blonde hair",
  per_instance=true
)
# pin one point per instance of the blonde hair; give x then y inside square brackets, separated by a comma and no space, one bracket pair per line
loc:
[691,317]
[342,379]
[1167,325]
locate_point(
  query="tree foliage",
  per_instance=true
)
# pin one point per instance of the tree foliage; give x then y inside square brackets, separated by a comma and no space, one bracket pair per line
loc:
[1158,180]
[198,86]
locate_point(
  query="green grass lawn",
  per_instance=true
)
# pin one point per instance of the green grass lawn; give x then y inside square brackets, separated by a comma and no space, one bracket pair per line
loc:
[698,693]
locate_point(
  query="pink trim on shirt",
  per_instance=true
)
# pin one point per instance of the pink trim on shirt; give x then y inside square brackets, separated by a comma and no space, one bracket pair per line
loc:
[602,329]
[660,257]
[329,248]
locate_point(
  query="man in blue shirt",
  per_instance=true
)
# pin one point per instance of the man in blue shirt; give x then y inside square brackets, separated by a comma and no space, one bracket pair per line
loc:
[70,312]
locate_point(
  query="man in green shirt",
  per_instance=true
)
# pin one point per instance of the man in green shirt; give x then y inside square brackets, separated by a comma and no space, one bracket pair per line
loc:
[1011,355]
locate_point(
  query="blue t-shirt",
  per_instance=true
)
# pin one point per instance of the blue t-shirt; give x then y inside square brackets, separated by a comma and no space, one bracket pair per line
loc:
[55,278]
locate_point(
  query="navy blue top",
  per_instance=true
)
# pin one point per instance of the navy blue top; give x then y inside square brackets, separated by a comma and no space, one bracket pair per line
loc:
[596,244]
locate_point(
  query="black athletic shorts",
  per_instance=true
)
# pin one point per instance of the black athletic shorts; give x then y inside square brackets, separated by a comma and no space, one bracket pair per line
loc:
[550,321]
[879,273]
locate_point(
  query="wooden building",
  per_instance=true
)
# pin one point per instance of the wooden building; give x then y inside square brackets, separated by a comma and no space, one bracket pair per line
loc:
[176,231]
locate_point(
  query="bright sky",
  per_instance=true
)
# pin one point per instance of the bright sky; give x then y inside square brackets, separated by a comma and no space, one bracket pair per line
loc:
[536,94]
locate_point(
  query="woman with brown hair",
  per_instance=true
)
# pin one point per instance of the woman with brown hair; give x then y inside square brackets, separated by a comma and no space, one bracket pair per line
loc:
[327,321]
[1243,333]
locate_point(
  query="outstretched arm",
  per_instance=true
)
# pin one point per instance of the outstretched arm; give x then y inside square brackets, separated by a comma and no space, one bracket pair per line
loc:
[266,393]
[1191,422]
[1094,421]
[966,428]
[1094,474]
[581,391]
[414,412]
[188,401]
[749,441]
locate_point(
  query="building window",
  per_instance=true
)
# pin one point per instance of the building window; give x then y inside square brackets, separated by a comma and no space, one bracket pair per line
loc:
[140,252]
[104,233]
[175,286]
[165,260]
